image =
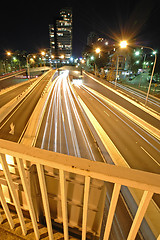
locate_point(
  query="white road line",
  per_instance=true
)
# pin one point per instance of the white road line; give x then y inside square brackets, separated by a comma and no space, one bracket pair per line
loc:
[126,98]
[150,156]
[97,98]
[107,113]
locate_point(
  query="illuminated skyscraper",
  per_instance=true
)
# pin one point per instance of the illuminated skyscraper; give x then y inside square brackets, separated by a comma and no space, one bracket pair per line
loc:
[61,34]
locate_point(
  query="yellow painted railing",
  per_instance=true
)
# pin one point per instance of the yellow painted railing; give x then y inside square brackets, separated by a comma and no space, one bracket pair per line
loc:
[149,183]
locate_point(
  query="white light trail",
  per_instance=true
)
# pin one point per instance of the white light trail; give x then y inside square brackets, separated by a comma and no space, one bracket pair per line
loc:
[64,131]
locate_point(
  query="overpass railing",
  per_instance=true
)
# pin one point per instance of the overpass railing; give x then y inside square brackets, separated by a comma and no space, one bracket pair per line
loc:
[64,164]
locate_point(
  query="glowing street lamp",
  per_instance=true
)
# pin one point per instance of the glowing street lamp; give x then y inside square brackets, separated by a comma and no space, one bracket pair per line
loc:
[8,53]
[98,50]
[154,64]
[43,53]
[123,44]
[137,53]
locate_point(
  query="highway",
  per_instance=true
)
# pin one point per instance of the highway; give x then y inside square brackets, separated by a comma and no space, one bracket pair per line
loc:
[153,102]
[10,80]
[12,127]
[13,92]
[63,128]
[104,88]
[139,149]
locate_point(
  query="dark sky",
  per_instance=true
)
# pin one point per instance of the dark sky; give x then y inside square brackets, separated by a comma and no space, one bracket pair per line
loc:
[24,25]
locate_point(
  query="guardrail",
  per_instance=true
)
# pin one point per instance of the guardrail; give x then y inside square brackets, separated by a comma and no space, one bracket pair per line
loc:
[12,74]
[148,182]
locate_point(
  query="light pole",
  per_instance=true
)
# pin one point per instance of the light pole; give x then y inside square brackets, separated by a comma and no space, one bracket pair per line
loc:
[27,60]
[123,44]
[155,59]
[28,72]
[98,50]
[9,54]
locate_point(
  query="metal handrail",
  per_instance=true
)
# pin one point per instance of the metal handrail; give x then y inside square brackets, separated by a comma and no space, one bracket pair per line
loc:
[148,182]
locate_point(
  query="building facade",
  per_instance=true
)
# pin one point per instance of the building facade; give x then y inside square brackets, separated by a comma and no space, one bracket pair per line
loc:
[61,34]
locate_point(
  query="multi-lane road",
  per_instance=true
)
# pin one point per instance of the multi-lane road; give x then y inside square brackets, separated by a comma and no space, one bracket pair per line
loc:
[139,148]
[14,124]
[65,128]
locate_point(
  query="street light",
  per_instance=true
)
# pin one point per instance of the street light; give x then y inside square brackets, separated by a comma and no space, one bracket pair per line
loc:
[137,53]
[155,59]
[154,52]
[123,44]
[43,53]
[98,50]
[8,53]
[27,60]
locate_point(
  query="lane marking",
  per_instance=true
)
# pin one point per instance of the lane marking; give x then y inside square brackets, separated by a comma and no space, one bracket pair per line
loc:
[126,98]
[12,126]
[106,113]
[144,125]
[150,156]
[114,153]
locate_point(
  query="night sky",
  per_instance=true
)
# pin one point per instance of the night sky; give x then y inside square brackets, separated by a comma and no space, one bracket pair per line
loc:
[24,26]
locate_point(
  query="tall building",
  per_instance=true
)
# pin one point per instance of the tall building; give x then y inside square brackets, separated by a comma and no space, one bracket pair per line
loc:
[61,34]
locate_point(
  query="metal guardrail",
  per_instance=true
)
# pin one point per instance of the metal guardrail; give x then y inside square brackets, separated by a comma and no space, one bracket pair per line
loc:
[148,182]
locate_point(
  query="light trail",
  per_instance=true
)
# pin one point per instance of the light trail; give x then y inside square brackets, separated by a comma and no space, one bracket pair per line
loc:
[64,131]
[124,121]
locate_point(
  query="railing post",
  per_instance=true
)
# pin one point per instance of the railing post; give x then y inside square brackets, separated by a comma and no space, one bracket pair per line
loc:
[85,207]
[13,192]
[1,218]
[43,188]
[64,203]
[28,196]
[146,198]
[6,209]
[112,208]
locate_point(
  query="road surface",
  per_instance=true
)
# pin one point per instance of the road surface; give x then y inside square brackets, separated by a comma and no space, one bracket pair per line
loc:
[63,128]
[12,127]
[107,92]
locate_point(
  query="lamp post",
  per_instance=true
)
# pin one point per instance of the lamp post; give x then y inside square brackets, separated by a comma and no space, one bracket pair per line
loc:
[155,59]
[9,54]
[98,50]
[123,44]
[27,61]
[28,72]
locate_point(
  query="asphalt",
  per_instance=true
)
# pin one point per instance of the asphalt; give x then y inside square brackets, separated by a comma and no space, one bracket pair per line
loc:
[121,101]
[9,95]
[13,125]
[5,83]
[63,128]
[57,119]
